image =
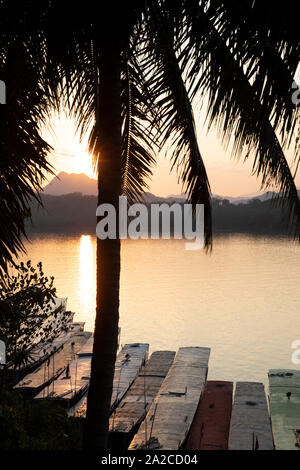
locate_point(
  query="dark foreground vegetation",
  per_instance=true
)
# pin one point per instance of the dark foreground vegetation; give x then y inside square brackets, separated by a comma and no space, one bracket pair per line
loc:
[40,426]
[28,314]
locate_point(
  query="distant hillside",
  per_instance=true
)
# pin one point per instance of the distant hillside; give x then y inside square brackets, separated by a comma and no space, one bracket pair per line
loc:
[66,183]
[76,213]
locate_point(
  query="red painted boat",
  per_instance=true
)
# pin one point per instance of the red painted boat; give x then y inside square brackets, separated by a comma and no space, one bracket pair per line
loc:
[211,424]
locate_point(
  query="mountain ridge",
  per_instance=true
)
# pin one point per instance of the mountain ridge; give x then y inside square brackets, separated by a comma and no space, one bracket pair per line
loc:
[68,183]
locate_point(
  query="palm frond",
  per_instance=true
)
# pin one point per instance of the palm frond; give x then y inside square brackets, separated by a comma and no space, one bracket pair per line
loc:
[176,124]
[240,110]
[138,142]
[23,153]
[256,35]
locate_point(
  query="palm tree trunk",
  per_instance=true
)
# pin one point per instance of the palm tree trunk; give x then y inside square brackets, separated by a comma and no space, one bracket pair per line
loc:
[108,252]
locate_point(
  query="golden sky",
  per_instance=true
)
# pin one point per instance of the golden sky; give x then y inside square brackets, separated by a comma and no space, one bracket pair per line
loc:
[228,177]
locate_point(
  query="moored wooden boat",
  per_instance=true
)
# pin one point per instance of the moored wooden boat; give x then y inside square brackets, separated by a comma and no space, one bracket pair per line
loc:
[133,407]
[128,364]
[69,387]
[170,416]
[56,316]
[46,373]
[250,427]
[42,351]
[284,390]
[211,424]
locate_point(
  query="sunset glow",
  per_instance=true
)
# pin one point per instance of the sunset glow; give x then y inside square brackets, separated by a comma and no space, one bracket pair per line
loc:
[228,176]
[69,152]
[82,163]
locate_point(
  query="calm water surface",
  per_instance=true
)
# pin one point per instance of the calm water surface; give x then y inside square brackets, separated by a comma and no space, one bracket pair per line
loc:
[243,300]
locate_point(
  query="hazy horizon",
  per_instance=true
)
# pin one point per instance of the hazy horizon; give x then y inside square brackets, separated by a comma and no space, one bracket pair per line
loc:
[227,176]
[93,178]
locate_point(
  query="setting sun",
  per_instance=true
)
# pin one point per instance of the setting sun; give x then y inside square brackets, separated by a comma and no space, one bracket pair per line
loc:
[82,163]
[69,153]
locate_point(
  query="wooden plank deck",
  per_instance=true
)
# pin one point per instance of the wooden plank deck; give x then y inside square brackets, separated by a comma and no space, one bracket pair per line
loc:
[285,413]
[132,409]
[211,424]
[42,377]
[170,416]
[128,364]
[250,416]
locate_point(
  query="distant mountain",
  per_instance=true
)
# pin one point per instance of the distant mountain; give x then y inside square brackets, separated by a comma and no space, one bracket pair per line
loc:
[177,196]
[245,199]
[150,198]
[66,183]
[263,196]
[233,199]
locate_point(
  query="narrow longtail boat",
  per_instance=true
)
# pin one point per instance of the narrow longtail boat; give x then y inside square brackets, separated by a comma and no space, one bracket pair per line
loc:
[69,388]
[43,350]
[172,412]
[51,369]
[284,392]
[250,427]
[128,364]
[211,424]
[132,409]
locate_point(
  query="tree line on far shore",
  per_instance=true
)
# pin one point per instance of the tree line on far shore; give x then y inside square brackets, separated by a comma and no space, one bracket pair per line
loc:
[75,214]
